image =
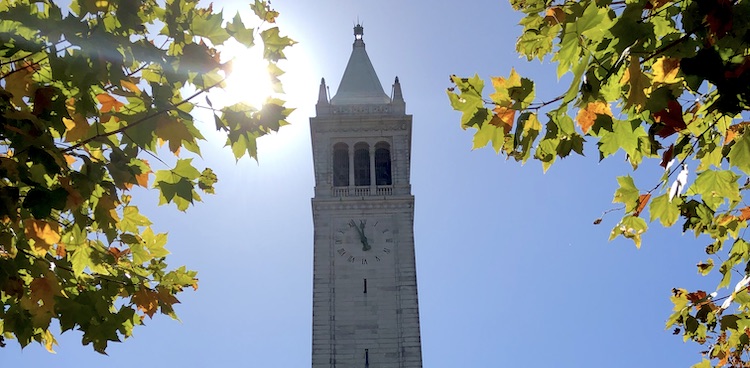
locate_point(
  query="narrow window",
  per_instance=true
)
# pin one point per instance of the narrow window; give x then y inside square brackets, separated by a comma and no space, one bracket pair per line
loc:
[361,164]
[382,164]
[367,358]
[365,286]
[341,165]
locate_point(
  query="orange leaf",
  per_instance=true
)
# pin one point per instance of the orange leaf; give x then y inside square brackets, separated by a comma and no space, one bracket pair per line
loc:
[587,116]
[108,102]
[503,117]
[744,214]
[60,250]
[44,235]
[130,86]
[554,15]
[696,296]
[117,253]
[734,130]
[642,200]
[146,300]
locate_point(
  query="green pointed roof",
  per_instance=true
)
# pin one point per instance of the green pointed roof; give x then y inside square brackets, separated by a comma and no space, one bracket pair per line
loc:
[360,85]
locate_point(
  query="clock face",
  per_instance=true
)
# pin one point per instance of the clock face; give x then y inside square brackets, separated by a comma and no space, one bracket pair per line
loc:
[363,241]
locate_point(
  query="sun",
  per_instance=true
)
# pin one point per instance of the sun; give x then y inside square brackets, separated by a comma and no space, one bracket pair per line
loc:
[249,80]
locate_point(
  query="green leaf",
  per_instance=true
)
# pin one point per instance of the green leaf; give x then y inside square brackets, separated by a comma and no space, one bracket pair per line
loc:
[705,363]
[132,219]
[80,257]
[739,155]
[155,243]
[209,26]
[274,44]
[716,186]
[625,136]
[630,227]
[237,30]
[665,210]
[627,193]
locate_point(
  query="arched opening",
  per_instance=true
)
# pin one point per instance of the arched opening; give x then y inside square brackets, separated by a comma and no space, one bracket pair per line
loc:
[383,164]
[340,165]
[361,164]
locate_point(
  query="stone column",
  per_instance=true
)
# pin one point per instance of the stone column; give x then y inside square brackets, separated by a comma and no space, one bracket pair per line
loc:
[372,170]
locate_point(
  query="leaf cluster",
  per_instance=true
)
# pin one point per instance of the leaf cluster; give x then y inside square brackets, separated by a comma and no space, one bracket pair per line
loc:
[657,81]
[88,97]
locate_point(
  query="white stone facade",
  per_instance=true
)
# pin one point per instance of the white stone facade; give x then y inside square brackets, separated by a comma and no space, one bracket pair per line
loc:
[365,309]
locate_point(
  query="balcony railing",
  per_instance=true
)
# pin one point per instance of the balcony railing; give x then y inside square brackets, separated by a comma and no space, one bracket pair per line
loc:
[362,191]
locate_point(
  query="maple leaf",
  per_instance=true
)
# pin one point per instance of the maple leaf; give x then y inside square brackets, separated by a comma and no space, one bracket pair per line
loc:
[667,157]
[43,233]
[174,131]
[587,116]
[43,99]
[554,15]
[108,102]
[41,300]
[504,118]
[641,203]
[75,199]
[638,82]
[744,214]
[665,70]
[672,119]
[19,84]
[733,130]
[146,300]
[130,86]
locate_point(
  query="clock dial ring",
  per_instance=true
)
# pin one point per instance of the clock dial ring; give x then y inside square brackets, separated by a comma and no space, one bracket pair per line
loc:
[363,240]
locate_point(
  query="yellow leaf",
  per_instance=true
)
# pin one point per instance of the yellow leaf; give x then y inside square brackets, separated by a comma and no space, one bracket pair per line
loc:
[502,85]
[108,102]
[587,116]
[49,341]
[638,82]
[130,86]
[42,233]
[665,70]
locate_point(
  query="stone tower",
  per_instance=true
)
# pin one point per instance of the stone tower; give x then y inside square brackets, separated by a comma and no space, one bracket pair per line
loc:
[365,311]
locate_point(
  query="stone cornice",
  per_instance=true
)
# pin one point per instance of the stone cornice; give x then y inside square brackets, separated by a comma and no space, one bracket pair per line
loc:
[396,204]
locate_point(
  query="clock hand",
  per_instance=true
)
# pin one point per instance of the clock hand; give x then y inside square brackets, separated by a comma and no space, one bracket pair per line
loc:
[365,244]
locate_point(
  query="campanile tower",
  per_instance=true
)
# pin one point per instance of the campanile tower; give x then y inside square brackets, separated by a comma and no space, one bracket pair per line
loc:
[365,310]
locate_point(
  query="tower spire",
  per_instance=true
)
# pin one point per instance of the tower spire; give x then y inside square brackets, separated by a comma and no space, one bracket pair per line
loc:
[360,84]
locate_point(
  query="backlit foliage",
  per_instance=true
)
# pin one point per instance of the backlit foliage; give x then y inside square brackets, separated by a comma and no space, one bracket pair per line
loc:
[661,81]
[88,95]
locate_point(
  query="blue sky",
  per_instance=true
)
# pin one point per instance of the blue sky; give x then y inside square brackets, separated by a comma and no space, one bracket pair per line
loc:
[511,270]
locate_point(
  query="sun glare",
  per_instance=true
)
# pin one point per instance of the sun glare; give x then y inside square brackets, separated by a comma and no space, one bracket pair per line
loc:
[249,81]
